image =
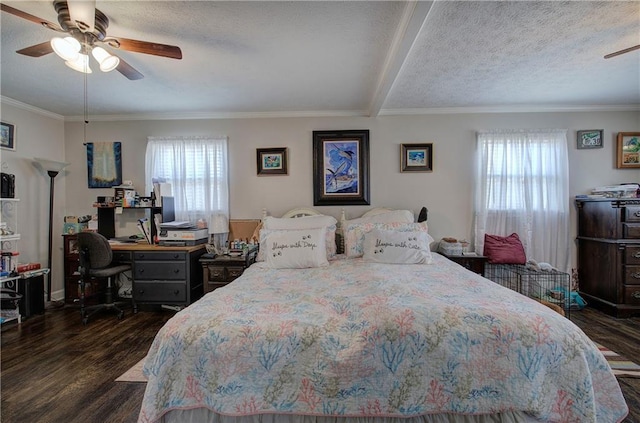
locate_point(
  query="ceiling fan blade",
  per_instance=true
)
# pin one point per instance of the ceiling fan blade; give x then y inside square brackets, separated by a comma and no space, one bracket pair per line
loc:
[128,70]
[37,50]
[29,17]
[146,47]
[83,13]
[618,53]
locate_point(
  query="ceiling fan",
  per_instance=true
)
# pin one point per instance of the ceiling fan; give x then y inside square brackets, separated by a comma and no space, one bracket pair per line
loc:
[86,27]
[623,51]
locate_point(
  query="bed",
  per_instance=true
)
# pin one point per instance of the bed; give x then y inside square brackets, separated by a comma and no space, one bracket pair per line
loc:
[385,332]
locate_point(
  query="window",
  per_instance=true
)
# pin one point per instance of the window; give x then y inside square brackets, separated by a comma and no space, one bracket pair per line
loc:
[522,186]
[197,169]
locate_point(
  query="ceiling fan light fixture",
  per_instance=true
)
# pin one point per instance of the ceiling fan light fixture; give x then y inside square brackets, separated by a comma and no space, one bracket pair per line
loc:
[68,48]
[108,62]
[81,64]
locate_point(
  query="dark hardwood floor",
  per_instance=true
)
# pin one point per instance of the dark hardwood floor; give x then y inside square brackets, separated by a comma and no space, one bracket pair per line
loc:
[55,369]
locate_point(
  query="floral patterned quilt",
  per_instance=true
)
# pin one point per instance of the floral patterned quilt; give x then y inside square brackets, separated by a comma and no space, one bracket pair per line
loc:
[365,339]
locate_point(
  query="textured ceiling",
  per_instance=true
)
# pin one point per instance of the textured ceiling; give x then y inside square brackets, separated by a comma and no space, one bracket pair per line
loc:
[267,58]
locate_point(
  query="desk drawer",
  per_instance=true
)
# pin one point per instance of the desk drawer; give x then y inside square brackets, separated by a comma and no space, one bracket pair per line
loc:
[160,255]
[122,256]
[153,270]
[632,255]
[166,292]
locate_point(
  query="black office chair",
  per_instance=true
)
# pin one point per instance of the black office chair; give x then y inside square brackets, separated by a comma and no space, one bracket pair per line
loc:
[95,262]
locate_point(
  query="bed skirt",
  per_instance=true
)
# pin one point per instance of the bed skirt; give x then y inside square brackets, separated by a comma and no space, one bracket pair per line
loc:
[203,415]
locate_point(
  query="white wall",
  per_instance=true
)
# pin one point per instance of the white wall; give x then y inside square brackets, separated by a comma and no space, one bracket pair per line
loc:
[447,192]
[38,134]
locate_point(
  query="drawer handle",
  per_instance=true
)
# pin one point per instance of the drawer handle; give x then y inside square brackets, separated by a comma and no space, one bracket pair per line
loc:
[176,271]
[141,256]
[636,255]
[176,256]
[176,292]
[636,295]
[637,214]
[141,291]
[636,275]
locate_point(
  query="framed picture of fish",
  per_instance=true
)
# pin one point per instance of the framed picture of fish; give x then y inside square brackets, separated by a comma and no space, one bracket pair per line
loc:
[416,157]
[272,161]
[341,167]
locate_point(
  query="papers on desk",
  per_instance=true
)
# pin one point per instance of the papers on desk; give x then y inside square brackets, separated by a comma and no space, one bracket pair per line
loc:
[177,225]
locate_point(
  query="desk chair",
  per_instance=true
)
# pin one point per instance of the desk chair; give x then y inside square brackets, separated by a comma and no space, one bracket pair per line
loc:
[95,261]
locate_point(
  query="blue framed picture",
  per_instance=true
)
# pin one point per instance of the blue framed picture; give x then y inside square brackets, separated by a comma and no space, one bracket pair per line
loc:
[341,167]
[272,161]
[104,164]
[416,157]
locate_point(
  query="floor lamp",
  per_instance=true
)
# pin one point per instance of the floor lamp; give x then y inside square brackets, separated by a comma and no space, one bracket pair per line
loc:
[52,168]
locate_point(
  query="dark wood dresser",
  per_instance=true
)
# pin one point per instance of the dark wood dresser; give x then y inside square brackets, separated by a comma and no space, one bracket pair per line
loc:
[609,254]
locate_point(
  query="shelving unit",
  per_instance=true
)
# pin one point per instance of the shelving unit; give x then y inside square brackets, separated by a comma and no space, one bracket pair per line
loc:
[9,238]
[107,219]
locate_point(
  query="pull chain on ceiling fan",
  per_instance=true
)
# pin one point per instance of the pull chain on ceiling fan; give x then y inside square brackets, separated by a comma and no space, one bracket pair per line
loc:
[86,27]
[623,51]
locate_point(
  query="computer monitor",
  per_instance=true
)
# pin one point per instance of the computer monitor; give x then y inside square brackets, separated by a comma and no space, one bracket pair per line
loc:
[168,209]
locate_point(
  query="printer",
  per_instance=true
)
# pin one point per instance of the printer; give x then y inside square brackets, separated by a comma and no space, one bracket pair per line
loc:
[181,234]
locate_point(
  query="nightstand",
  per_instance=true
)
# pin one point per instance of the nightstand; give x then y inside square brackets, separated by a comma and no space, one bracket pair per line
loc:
[474,263]
[220,270]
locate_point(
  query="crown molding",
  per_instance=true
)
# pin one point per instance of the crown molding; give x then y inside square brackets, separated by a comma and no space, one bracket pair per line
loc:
[29,108]
[511,109]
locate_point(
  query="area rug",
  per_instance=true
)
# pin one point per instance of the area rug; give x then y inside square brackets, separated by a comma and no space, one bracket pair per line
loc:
[134,374]
[621,366]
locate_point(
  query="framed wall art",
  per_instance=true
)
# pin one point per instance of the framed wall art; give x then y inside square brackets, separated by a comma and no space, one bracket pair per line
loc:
[590,138]
[341,167]
[104,164]
[7,136]
[628,151]
[416,157]
[272,161]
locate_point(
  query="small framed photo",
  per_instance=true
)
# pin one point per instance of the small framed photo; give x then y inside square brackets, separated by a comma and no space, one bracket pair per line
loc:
[7,136]
[272,161]
[628,151]
[416,157]
[590,138]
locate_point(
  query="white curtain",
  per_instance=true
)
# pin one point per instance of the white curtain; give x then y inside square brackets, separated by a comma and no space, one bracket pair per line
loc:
[522,186]
[197,168]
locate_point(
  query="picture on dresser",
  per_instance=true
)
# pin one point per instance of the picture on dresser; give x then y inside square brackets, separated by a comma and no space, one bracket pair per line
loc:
[628,151]
[341,167]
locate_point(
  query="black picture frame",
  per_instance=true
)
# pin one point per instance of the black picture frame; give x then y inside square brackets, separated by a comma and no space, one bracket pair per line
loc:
[272,161]
[590,138]
[341,167]
[416,157]
[7,136]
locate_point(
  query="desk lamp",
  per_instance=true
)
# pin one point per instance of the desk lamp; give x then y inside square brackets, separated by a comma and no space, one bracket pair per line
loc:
[52,168]
[219,230]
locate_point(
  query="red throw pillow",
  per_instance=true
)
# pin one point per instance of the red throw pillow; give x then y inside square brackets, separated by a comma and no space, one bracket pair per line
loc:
[504,249]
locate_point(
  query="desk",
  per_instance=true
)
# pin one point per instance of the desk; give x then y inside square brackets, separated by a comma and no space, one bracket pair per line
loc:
[163,275]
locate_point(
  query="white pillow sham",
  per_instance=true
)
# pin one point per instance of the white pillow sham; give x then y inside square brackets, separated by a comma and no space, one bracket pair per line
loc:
[330,241]
[384,246]
[295,249]
[354,234]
